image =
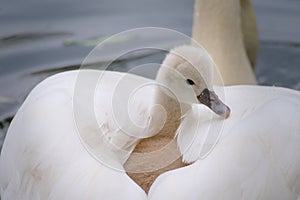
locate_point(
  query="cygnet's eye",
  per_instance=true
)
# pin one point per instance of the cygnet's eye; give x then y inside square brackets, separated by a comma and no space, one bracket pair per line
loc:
[190,82]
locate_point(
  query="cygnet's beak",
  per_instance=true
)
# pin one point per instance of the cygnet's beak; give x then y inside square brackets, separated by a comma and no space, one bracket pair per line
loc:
[211,100]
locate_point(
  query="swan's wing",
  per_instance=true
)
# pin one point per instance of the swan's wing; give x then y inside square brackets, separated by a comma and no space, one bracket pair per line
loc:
[126,119]
[257,157]
[43,156]
[201,128]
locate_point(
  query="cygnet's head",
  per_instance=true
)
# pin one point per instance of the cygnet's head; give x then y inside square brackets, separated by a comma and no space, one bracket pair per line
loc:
[187,72]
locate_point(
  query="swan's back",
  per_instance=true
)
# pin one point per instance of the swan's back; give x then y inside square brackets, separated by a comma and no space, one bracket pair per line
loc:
[257,156]
[44,158]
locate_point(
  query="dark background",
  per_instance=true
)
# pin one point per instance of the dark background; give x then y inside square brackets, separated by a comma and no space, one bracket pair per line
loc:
[39,38]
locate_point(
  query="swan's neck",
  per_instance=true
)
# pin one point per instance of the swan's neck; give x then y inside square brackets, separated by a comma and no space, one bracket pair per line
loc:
[174,111]
[219,26]
[158,154]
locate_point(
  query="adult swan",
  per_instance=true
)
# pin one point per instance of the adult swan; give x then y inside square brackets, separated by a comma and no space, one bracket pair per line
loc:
[43,156]
[228,31]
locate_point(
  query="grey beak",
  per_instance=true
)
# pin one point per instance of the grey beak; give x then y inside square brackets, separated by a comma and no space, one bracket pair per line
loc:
[211,100]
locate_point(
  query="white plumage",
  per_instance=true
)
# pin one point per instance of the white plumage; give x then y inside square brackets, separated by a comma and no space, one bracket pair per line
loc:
[256,156]
[43,157]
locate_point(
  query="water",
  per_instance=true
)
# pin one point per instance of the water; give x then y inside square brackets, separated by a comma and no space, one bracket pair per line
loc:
[40,38]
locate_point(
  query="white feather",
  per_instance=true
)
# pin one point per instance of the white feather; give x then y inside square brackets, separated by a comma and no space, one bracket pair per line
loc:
[256,156]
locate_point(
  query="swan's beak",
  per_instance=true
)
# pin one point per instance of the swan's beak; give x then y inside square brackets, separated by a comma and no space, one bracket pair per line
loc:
[211,100]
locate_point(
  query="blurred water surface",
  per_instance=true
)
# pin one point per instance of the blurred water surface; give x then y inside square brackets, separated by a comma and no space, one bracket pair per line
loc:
[40,38]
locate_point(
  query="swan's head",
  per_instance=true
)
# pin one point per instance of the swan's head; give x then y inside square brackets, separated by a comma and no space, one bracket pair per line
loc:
[187,73]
